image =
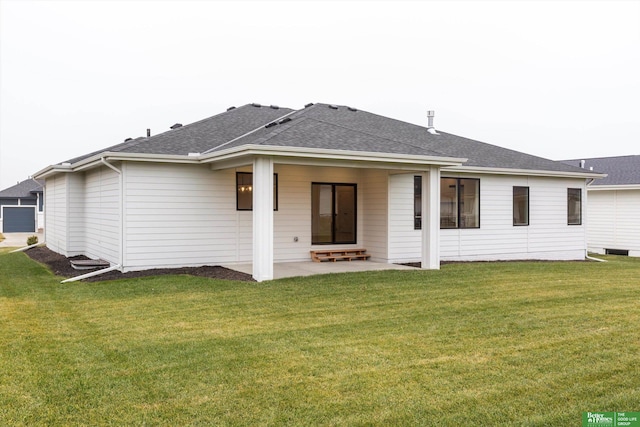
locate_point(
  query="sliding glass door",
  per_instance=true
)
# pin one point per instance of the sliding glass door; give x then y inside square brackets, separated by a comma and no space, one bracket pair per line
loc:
[333,213]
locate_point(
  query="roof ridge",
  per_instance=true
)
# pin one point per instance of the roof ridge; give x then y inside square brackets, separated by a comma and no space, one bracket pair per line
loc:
[180,129]
[248,133]
[397,141]
[600,158]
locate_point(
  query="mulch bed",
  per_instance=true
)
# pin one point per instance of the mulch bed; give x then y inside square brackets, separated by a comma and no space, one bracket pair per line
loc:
[61,266]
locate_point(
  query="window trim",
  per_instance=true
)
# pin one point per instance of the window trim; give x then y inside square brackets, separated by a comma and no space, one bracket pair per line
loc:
[275,191]
[515,224]
[579,192]
[459,204]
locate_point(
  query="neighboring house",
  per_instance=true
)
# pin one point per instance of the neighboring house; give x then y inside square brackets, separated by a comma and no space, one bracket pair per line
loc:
[21,207]
[263,184]
[613,205]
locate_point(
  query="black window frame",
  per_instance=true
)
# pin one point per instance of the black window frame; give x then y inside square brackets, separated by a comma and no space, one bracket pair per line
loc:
[460,203]
[569,204]
[528,201]
[333,213]
[275,191]
[417,202]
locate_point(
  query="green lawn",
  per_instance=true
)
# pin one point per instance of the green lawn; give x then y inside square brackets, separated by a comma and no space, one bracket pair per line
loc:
[532,344]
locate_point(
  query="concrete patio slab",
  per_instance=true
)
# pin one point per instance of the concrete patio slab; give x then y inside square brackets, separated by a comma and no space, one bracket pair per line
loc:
[282,270]
[19,240]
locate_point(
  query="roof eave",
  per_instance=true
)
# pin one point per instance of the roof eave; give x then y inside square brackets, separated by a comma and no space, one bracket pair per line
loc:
[529,172]
[330,154]
[96,160]
[617,187]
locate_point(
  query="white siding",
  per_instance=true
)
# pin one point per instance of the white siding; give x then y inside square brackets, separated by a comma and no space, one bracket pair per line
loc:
[98,203]
[375,213]
[404,241]
[547,237]
[613,220]
[76,226]
[179,215]
[56,214]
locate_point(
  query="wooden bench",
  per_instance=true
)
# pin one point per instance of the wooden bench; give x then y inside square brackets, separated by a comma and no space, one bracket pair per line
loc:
[88,264]
[339,255]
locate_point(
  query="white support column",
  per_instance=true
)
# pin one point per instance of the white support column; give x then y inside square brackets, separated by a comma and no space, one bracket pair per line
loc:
[431,219]
[262,218]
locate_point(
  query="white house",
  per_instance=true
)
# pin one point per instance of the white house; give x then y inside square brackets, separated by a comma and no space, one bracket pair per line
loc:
[613,206]
[264,184]
[21,207]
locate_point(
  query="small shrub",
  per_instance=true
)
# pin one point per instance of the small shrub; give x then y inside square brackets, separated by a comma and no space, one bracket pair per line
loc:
[32,240]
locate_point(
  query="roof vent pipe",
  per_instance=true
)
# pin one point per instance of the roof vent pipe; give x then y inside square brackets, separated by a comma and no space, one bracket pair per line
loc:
[582,162]
[430,128]
[148,133]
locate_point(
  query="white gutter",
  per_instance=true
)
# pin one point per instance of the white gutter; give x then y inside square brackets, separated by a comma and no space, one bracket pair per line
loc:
[121,206]
[93,273]
[330,154]
[50,170]
[617,187]
[530,172]
[96,160]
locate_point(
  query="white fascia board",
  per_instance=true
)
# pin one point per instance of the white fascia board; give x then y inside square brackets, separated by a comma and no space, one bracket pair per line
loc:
[51,170]
[528,172]
[96,160]
[296,154]
[618,187]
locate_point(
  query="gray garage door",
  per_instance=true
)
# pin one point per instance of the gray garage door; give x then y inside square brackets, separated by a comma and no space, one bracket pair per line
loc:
[18,220]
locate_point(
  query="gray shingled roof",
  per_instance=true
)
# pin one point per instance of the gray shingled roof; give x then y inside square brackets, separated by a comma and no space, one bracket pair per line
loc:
[202,135]
[321,126]
[621,170]
[324,126]
[26,188]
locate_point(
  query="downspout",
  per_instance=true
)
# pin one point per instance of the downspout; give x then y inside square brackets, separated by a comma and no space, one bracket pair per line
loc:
[594,259]
[27,247]
[586,251]
[93,273]
[121,212]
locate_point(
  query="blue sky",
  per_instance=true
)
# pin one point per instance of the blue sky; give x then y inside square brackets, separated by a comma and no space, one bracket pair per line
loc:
[554,79]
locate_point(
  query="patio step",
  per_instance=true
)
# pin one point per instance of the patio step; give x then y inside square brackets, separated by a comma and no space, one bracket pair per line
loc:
[88,264]
[339,255]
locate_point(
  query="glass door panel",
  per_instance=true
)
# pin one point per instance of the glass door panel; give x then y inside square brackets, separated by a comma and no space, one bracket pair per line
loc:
[333,213]
[345,214]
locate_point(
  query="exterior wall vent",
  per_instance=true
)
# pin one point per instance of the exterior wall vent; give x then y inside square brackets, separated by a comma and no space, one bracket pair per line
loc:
[623,252]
